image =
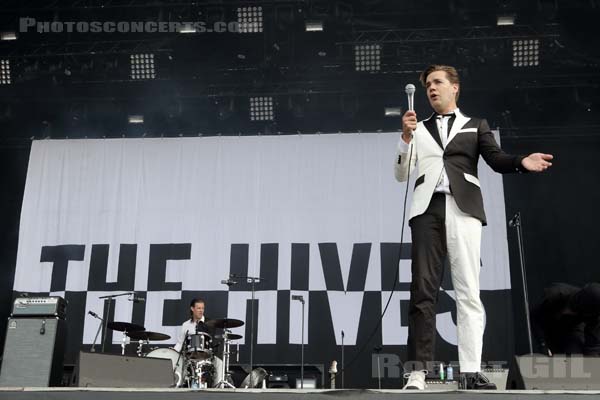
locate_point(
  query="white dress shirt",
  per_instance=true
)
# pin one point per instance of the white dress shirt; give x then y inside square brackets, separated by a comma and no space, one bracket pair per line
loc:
[188,327]
[443,185]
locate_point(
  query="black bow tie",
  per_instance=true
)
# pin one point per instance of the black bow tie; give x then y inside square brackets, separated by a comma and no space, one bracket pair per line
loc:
[445,115]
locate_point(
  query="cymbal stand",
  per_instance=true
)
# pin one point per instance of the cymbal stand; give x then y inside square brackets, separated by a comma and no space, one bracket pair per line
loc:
[224,382]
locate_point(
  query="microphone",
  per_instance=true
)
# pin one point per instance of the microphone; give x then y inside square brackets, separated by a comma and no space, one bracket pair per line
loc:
[229,281]
[298,297]
[410,94]
[515,220]
[93,314]
[136,299]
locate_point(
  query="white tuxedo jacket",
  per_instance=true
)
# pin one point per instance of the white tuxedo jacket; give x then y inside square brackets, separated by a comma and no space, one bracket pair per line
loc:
[467,139]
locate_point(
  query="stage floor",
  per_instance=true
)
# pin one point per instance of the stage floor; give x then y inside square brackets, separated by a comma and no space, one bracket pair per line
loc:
[276,394]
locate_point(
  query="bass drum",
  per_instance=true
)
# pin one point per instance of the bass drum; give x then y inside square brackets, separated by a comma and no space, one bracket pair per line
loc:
[176,360]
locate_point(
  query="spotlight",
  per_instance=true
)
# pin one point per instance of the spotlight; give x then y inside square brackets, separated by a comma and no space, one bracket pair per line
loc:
[5,76]
[261,109]
[136,119]
[8,36]
[314,26]
[504,20]
[186,28]
[250,19]
[393,111]
[367,57]
[142,66]
[526,53]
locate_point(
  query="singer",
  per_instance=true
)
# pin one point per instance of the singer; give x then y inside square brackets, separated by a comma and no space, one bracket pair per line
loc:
[446,219]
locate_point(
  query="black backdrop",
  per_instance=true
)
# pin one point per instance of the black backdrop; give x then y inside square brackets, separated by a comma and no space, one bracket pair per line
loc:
[559,220]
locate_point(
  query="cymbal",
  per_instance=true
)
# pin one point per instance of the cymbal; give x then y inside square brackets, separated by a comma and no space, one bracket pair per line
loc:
[233,336]
[124,326]
[224,323]
[147,335]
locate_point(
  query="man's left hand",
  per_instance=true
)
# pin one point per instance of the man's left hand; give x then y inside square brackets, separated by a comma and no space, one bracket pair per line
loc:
[537,162]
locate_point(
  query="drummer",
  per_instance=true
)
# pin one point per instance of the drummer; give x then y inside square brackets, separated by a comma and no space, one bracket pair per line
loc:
[196,321]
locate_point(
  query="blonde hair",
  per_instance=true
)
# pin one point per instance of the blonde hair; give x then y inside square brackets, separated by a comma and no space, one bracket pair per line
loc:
[450,71]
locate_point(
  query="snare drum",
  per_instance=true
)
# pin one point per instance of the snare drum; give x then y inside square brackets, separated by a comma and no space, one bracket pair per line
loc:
[198,346]
[176,360]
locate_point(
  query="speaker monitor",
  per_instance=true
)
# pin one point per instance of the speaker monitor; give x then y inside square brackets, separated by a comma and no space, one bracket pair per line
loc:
[560,372]
[33,352]
[108,370]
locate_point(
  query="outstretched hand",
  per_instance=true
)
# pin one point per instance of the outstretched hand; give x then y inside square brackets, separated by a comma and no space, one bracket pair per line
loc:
[537,162]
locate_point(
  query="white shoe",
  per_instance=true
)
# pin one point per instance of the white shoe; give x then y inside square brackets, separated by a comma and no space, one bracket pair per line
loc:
[416,380]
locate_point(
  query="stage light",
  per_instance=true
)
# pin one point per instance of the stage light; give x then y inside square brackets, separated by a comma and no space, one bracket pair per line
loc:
[136,119]
[8,36]
[5,76]
[504,20]
[250,19]
[186,28]
[367,57]
[314,26]
[142,66]
[261,108]
[526,53]
[393,111]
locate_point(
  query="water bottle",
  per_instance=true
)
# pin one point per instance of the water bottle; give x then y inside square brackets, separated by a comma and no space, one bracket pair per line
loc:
[449,373]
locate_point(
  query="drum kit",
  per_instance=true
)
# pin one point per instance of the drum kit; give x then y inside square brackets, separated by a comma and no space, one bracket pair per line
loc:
[196,365]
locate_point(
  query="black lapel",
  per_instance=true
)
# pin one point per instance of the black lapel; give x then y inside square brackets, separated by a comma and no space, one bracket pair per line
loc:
[433,130]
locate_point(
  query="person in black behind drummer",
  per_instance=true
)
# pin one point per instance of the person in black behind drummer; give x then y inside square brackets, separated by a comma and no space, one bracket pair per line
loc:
[567,321]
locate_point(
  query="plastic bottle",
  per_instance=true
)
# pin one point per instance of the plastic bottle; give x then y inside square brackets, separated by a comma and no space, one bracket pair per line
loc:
[449,373]
[441,371]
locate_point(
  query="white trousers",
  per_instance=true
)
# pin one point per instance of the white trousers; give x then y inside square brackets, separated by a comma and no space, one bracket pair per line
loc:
[463,241]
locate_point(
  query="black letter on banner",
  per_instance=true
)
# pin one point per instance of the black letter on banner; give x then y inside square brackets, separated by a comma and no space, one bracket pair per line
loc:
[99,266]
[299,269]
[60,257]
[238,265]
[332,271]
[157,268]
[390,253]
[269,261]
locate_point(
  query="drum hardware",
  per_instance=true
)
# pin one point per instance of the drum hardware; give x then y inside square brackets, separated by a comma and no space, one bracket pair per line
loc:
[198,346]
[144,338]
[201,372]
[108,301]
[124,327]
[226,375]
[140,347]
[224,323]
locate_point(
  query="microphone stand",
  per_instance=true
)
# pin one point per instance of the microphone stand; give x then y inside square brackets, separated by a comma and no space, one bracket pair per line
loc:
[93,348]
[301,300]
[106,313]
[515,222]
[343,365]
[252,280]
[302,351]
[180,352]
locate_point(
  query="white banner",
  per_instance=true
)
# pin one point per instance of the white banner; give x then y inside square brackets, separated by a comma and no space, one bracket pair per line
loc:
[209,195]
